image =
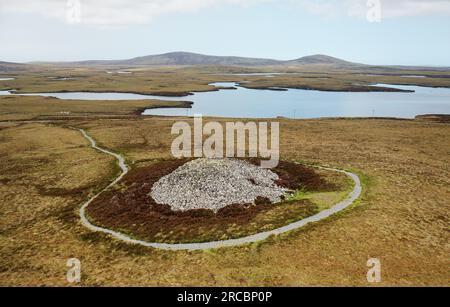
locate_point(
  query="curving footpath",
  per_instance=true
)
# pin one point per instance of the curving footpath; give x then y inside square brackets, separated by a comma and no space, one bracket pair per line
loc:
[352,197]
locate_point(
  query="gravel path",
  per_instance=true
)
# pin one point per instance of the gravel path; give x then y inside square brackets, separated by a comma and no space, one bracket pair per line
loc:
[352,197]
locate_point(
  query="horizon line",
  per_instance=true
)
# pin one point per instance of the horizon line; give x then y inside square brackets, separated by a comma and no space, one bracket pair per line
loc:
[215,55]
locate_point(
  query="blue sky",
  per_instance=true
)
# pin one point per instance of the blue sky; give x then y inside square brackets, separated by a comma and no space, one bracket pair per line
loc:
[411,32]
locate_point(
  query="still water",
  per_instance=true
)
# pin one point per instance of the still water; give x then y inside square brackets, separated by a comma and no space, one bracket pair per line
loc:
[293,103]
[313,104]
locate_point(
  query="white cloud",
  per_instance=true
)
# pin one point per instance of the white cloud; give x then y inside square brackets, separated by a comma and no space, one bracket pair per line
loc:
[400,8]
[114,13]
[323,8]
[389,8]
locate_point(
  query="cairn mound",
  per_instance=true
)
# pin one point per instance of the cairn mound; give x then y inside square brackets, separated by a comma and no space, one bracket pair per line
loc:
[216,183]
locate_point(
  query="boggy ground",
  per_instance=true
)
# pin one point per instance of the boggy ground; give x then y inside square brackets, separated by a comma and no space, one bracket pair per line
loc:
[37,107]
[181,81]
[129,207]
[175,81]
[48,171]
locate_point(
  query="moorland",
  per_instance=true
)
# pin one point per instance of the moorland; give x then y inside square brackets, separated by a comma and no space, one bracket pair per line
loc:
[48,170]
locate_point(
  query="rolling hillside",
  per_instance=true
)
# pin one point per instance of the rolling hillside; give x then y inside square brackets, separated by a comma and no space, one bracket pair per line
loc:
[195,59]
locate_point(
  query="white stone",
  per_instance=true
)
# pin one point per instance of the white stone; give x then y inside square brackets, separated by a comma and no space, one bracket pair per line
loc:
[214,184]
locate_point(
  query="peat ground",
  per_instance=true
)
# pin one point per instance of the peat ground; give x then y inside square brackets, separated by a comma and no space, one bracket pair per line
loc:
[129,207]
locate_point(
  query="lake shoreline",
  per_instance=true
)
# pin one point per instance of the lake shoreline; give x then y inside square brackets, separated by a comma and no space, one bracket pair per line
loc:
[355,89]
[238,100]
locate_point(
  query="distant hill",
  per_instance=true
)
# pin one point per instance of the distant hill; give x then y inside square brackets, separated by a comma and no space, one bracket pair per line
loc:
[182,59]
[195,59]
[320,59]
[6,67]
[186,58]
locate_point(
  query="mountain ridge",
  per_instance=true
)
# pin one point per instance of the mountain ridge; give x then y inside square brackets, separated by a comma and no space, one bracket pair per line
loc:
[182,58]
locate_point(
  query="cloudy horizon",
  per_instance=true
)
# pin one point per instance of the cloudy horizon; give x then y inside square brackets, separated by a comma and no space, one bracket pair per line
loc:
[409,32]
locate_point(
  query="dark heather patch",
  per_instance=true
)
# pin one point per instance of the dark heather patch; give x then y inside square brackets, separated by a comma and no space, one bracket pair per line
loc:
[130,209]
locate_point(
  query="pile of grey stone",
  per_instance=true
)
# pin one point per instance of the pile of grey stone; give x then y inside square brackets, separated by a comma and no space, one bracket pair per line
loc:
[216,183]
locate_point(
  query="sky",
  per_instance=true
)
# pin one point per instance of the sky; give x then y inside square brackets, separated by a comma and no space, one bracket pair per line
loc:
[381,32]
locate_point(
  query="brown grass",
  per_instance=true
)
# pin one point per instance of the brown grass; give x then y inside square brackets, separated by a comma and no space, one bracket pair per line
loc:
[180,81]
[402,218]
[35,107]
